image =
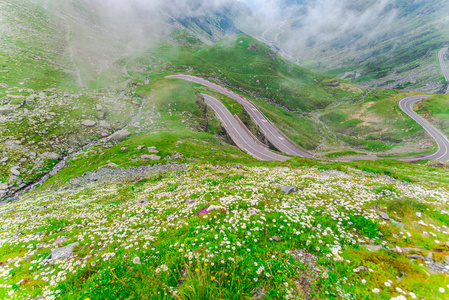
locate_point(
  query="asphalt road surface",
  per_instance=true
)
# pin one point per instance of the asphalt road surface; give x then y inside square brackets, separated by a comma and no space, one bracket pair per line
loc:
[278,139]
[443,65]
[239,134]
[406,104]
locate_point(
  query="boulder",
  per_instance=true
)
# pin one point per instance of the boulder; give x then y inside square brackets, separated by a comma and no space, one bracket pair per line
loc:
[61,253]
[50,155]
[286,189]
[89,123]
[150,157]
[384,215]
[120,135]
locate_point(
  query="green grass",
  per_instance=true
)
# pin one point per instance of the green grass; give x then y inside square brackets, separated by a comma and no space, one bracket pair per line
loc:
[436,110]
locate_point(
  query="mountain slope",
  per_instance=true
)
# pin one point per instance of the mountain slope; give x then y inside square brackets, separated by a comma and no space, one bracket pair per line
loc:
[392,44]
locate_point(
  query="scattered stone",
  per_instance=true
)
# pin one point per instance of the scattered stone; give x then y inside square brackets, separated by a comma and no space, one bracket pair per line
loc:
[99,107]
[152,149]
[111,165]
[123,149]
[419,215]
[384,215]
[50,155]
[288,189]
[4,85]
[4,71]
[105,125]
[175,156]
[4,159]
[17,234]
[150,157]
[61,253]
[416,256]
[15,171]
[89,123]
[101,115]
[120,135]
[140,147]
[276,238]
[375,207]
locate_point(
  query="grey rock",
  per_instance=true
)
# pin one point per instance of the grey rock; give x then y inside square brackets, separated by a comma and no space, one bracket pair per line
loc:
[2,193]
[150,157]
[3,186]
[89,123]
[383,215]
[101,114]
[123,149]
[15,171]
[175,156]
[4,71]
[120,135]
[139,147]
[105,125]
[375,207]
[419,214]
[61,253]
[99,107]
[416,256]
[276,238]
[4,85]
[288,189]
[50,155]
[152,150]
[111,165]
[4,159]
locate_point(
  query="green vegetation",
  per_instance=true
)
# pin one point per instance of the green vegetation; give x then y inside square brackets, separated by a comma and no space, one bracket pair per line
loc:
[376,124]
[436,111]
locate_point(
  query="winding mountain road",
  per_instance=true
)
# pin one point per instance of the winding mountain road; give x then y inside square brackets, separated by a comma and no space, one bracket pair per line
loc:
[406,104]
[444,68]
[277,138]
[240,134]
